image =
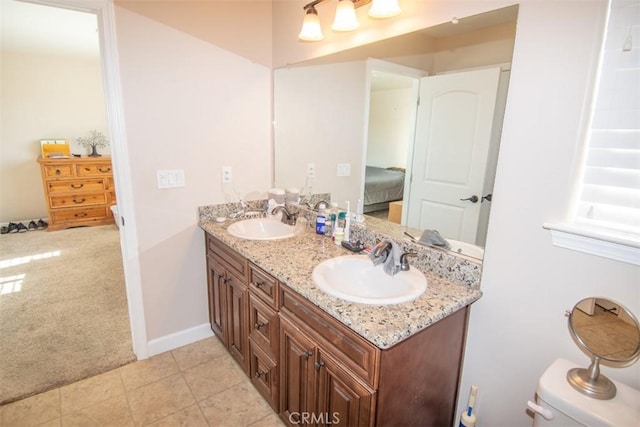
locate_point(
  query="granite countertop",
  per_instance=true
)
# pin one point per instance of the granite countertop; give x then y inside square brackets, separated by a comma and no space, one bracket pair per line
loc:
[292,261]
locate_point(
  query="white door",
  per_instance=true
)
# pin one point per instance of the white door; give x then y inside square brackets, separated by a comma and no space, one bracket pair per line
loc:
[453,134]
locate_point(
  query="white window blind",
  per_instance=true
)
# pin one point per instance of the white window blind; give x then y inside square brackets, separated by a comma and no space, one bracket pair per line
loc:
[610,191]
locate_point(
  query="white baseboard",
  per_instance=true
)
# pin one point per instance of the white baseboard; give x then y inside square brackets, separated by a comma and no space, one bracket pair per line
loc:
[179,339]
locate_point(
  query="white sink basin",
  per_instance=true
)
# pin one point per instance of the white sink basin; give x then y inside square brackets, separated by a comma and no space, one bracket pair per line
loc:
[466,249]
[354,278]
[261,229]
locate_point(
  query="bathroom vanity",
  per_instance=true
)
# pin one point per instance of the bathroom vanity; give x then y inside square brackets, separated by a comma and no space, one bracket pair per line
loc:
[321,360]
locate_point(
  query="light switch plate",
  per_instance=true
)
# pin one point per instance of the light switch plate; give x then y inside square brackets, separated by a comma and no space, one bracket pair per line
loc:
[344,169]
[311,170]
[173,178]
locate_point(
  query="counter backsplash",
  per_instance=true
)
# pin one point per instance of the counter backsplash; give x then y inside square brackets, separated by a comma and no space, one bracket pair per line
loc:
[445,264]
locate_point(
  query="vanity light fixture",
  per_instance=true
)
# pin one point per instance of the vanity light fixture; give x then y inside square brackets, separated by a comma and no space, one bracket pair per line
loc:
[311,30]
[381,9]
[345,18]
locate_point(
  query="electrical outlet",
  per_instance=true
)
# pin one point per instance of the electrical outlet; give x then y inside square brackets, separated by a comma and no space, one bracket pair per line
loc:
[311,170]
[226,174]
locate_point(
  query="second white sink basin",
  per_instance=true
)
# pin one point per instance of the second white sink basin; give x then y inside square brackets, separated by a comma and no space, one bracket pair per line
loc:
[354,278]
[261,229]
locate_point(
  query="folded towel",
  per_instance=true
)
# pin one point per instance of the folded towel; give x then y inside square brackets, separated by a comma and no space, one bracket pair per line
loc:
[390,259]
[433,238]
[392,265]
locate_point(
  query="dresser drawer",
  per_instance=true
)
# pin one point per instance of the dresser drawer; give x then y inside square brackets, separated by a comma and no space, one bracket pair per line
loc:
[96,169]
[72,186]
[79,214]
[264,286]
[58,171]
[78,200]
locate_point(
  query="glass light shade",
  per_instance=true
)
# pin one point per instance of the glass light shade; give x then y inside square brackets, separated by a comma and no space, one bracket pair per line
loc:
[311,30]
[384,9]
[346,19]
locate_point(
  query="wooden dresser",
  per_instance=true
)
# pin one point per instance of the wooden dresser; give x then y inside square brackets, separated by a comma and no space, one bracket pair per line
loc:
[79,191]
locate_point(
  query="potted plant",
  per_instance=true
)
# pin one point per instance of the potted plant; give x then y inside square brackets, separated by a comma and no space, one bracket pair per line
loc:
[94,140]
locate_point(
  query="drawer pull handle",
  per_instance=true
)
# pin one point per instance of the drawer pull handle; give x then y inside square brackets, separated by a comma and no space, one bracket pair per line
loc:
[319,365]
[258,326]
[76,186]
[83,214]
[259,284]
[58,171]
[87,169]
[307,355]
[79,201]
[105,170]
[261,374]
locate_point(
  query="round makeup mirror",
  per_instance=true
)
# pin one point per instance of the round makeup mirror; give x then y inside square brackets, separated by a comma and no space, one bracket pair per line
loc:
[607,331]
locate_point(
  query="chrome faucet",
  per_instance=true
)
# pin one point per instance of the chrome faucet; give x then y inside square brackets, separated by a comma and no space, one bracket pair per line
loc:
[382,249]
[287,217]
[404,264]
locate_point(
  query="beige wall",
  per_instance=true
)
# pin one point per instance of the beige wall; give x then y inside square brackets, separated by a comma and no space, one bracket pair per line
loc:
[42,97]
[188,104]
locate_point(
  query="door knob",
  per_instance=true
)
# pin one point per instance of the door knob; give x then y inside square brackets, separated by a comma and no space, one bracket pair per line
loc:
[472,199]
[487,197]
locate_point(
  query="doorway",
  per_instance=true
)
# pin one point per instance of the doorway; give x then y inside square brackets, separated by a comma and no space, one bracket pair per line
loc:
[104,12]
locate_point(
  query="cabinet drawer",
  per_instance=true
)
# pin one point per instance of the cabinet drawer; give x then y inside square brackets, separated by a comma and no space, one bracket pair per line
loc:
[78,200]
[263,372]
[263,325]
[79,214]
[353,350]
[264,286]
[72,186]
[96,169]
[58,171]
[229,258]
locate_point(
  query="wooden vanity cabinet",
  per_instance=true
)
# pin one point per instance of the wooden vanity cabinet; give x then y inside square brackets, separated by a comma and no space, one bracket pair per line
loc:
[314,370]
[263,336]
[228,299]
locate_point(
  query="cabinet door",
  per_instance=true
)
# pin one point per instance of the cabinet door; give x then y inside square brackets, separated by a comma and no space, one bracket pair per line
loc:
[342,399]
[237,318]
[217,298]
[297,374]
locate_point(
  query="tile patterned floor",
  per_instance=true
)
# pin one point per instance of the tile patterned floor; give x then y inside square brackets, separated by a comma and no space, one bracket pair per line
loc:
[196,385]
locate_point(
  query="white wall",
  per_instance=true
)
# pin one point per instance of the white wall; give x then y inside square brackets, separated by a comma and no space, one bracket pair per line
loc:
[189,105]
[391,122]
[42,97]
[315,123]
[518,327]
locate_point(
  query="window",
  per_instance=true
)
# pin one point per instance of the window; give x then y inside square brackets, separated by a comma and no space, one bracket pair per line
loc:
[607,217]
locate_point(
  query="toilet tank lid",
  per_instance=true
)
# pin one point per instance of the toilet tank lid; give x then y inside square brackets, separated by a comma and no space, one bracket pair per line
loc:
[555,390]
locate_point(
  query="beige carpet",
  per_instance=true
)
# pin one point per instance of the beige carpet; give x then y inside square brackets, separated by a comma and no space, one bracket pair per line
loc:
[63,309]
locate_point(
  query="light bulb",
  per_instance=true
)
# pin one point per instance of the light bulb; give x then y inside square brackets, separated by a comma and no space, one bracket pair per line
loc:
[311,30]
[346,19]
[384,9]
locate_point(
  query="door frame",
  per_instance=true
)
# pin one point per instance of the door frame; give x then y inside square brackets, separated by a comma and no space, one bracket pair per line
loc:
[374,64]
[104,11]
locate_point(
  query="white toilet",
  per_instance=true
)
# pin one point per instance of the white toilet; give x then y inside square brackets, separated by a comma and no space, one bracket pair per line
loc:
[559,404]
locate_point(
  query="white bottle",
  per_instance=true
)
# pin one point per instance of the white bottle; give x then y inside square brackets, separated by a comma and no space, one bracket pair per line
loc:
[468,418]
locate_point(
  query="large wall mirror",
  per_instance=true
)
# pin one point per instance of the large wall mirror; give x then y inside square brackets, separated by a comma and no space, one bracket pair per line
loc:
[354,116]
